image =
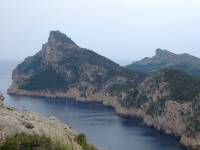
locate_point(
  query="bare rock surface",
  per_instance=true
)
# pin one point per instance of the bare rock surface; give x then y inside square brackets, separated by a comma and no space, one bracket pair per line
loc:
[1,99]
[13,121]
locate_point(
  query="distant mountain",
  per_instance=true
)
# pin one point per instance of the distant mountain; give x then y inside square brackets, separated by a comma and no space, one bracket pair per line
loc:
[166,59]
[167,99]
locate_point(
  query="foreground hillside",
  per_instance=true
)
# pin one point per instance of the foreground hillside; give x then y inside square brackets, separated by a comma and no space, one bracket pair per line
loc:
[25,130]
[166,59]
[167,99]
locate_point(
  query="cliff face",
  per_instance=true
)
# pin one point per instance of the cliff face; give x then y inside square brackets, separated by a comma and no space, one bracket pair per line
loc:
[167,99]
[64,69]
[166,59]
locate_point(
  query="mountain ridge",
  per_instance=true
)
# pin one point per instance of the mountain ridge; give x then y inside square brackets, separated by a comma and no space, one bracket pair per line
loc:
[166,59]
[165,56]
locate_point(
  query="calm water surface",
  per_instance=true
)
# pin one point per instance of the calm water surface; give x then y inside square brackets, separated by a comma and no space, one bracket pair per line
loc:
[101,125]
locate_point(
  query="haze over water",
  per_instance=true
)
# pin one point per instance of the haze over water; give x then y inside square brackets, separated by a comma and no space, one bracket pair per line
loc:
[122,30]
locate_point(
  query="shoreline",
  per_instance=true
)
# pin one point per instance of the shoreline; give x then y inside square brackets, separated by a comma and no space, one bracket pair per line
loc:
[117,110]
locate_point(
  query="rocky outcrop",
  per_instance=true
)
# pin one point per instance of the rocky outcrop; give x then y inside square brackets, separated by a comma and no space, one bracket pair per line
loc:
[167,100]
[13,121]
[166,59]
[1,99]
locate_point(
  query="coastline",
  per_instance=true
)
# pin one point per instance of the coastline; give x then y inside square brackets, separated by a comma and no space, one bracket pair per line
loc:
[119,110]
[15,122]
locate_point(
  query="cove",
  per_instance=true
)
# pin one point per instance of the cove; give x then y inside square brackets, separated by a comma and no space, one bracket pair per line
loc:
[101,125]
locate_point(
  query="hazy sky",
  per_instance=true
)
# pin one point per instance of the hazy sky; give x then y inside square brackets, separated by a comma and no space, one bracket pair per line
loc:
[123,30]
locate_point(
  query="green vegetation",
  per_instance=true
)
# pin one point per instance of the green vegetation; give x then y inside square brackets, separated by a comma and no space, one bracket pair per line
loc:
[193,70]
[145,68]
[31,142]
[128,74]
[156,108]
[193,128]
[183,87]
[118,87]
[134,99]
[31,63]
[82,141]
[47,79]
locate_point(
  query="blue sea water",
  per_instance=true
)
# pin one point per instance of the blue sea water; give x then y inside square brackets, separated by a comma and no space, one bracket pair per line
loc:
[101,125]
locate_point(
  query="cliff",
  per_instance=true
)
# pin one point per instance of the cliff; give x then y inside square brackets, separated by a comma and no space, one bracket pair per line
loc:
[64,69]
[166,99]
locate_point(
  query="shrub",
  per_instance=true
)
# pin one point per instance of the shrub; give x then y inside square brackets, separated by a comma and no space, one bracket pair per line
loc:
[156,108]
[31,142]
[183,87]
[193,128]
[47,79]
[82,141]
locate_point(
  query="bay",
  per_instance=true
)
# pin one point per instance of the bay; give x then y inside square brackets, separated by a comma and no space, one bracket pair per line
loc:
[100,124]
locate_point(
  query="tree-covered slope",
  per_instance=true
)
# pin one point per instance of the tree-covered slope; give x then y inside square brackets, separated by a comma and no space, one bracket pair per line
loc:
[165,59]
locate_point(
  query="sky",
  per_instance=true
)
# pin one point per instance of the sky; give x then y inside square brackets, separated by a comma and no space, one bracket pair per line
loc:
[122,30]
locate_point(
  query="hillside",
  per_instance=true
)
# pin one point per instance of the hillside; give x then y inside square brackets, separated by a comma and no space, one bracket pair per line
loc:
[166,59]
[26,130]
[62,68]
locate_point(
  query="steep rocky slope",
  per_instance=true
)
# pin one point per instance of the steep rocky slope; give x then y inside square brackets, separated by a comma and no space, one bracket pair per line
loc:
[32,125]
[63,69]
[166,59]
[167,99]
[13,122]
[173,105]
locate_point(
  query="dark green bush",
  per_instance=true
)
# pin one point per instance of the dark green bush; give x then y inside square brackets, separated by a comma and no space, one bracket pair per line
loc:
[47,79]
[183,87]
[156,108]
[31,142]
[134,99]
[117,87]
[193,128]
[82,141]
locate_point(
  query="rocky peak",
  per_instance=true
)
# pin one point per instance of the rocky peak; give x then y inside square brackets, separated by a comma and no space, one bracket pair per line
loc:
[165,56]
[168,58]
[161,53]
[66,62]
[59,38]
